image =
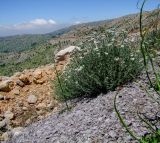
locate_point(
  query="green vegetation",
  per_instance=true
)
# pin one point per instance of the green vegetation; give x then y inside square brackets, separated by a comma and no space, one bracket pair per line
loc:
[42,55]
[150,40]
[21,43]
[99,67]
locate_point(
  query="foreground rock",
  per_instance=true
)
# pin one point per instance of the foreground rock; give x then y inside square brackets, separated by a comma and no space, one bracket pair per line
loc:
[32,99]
[94,120]
[60,56]
[6,85]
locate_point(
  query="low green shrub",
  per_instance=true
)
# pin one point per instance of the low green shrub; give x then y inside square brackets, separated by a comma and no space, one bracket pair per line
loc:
[152,138]
[100,66]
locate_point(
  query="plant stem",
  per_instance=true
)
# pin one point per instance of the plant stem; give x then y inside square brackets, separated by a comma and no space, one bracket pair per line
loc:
[61,88]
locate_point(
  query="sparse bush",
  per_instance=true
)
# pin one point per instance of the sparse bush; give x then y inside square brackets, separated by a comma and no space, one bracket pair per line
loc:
[100,66]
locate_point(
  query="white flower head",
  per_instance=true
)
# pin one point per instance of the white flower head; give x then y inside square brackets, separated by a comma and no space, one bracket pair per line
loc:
[79,69]
[113,39]
[122,46]
[117,59]
[106,53]
[96,49]
[109,45]
[132,59]
[125,40]
[132,55]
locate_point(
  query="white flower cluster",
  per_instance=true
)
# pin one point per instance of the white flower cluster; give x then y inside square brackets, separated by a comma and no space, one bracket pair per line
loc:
[117,59]
[132,57]
[122,46]
[79,68]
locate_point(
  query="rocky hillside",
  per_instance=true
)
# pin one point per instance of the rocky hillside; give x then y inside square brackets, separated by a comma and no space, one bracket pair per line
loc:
[28,96]
[27,102]
[31,51]
[94,121]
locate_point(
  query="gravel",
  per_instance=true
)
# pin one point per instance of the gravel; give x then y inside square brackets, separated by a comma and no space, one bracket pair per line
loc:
[94,120]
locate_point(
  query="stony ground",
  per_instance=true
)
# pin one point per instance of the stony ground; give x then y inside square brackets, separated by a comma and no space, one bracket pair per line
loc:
[27,97]
[94,120]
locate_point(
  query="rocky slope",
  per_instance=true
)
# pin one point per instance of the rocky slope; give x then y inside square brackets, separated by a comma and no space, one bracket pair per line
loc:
[28,96]
[94,120]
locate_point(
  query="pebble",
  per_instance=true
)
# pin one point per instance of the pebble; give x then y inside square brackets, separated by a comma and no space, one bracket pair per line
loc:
[32,99]
[9,115]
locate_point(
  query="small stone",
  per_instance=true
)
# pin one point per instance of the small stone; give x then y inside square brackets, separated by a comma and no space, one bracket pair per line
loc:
[2,124]
[25,108]
[5,136]
[32,99]
[9,115]
[17,131]
[20,83]
[112,134]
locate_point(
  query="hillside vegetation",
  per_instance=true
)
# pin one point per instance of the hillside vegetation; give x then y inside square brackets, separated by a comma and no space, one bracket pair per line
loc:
[19,52]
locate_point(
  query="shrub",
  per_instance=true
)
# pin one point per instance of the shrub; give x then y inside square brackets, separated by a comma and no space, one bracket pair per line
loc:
[100,66]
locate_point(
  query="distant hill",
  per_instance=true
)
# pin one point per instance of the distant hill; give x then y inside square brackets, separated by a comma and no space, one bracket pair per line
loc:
[28,51]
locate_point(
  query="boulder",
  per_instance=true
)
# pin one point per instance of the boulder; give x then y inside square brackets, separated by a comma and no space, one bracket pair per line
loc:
[25,79]
[32,99]
[37,74]
[38,77]
[60,56]
[6,85]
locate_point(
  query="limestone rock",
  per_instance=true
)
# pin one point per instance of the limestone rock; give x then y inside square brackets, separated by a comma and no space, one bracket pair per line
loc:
[37,74]
[38,77]
[2,124]
[60,56]
[6,85]
[5,136]
[25,79]
[32,99]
